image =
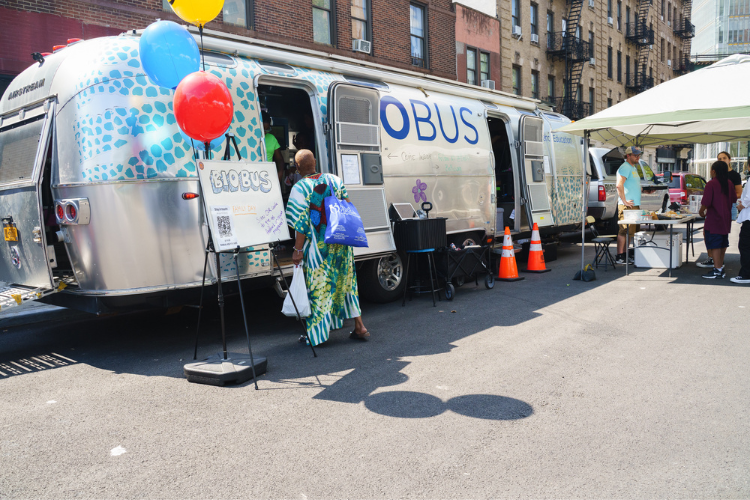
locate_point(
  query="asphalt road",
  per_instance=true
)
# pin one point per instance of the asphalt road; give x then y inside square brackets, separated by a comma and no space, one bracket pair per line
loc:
[627,387]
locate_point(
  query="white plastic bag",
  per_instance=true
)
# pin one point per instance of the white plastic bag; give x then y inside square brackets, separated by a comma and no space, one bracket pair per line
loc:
[298,290]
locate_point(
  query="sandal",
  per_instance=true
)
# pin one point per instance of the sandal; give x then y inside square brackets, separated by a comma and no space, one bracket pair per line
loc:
[362,337]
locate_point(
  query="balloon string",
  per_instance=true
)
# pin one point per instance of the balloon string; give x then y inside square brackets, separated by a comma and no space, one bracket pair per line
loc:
[203,54]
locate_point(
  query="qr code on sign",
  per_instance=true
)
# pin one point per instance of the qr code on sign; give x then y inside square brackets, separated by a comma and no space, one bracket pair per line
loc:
[224,225]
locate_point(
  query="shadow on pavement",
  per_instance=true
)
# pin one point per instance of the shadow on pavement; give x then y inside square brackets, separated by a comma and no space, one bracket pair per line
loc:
[152,344]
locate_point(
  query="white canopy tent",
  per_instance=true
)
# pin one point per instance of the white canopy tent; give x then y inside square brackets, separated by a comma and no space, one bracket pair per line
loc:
[706,106]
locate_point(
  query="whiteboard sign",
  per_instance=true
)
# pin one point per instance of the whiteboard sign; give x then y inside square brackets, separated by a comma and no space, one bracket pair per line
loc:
[244,203]
[350,168]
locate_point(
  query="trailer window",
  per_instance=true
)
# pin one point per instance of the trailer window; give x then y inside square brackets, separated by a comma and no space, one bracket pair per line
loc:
[18,145]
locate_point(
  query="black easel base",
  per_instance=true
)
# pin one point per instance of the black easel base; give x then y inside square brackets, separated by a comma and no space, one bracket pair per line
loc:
[218,371]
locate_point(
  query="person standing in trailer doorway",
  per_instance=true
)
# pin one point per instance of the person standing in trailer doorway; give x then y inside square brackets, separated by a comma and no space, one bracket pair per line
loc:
[629,194]
[273,148]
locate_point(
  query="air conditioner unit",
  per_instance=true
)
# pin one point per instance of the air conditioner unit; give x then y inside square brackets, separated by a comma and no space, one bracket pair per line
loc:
[661,17]
[669,23]
[669,63]
[516,31]
[592,61]
[591,3]
[534,38]
[488,84]
[610,21]
[361,46]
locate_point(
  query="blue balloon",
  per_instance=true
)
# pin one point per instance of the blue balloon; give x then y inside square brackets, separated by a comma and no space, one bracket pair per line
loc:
[217,145]
[168,53]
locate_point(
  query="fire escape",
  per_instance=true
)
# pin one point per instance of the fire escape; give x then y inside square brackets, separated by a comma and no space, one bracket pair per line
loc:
[639,33]
[567,46]
[685,30]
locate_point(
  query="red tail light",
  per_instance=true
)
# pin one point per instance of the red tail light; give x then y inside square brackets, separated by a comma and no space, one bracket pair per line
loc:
[602,194]
[71,41]
[71,212]
[189,196]
[55,48]
[683,197]
[60,212]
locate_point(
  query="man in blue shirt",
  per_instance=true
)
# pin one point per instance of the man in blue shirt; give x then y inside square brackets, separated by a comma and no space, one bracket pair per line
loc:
[629,194]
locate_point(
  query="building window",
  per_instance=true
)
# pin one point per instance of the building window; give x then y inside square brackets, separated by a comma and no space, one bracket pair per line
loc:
[564,26]
[471,66]
[669,12]
[662,50]
[609,102]
[579,98]
[619,15]
[550,28]
[360,19]
[535,84]
[516,80]
[484,66]
[627,18]
[591,100]
[236,12]
[619,66]
[550,87]
[609,62]
[609,9]
[627,70]
[323,23]
[663,7]
[533,10]
[418,36]
[591,44]
[516,12]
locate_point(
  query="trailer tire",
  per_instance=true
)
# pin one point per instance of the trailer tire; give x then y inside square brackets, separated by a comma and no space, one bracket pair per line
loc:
[382,280]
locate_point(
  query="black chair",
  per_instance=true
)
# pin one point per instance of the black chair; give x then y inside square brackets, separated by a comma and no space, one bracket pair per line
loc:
[601,246]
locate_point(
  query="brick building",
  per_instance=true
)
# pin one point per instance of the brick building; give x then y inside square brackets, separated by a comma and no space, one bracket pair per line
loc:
[581,55]
[400,33]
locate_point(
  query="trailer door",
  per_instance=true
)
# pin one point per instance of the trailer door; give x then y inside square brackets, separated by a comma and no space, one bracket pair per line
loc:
[354,137]
[24,141]
[532,158]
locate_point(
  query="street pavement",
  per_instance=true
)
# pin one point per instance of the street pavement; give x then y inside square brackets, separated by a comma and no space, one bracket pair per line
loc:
[627,387]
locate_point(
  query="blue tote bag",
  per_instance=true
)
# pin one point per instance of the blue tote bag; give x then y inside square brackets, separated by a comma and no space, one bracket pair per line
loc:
[344,223]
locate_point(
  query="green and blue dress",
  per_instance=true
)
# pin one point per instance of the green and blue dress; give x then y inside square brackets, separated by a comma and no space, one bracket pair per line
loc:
[329,269]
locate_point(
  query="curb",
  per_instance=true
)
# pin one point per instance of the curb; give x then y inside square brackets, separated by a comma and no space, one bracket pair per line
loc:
[35,316]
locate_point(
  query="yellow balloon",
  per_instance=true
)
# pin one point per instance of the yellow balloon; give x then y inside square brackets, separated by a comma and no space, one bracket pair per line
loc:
[197,12]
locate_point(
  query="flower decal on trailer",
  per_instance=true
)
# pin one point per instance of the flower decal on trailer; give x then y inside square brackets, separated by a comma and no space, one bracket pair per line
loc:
[419,190]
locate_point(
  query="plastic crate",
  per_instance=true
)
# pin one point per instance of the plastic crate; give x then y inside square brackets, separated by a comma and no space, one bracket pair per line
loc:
[420,234]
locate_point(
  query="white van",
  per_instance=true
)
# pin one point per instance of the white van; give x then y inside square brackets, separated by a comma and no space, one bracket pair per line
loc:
[93,167]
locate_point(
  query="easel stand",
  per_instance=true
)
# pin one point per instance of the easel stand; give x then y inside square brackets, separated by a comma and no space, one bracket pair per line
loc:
[224,368]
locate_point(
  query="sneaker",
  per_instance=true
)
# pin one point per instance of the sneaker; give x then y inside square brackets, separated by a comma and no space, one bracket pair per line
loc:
[620,259]
[715,273]
[740,279]
[706,263]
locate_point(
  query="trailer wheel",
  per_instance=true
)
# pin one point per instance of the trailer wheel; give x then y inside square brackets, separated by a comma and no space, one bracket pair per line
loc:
[382,280]
[450,292]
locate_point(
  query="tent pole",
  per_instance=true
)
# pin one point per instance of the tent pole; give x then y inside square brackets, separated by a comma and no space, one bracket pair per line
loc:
[585,203]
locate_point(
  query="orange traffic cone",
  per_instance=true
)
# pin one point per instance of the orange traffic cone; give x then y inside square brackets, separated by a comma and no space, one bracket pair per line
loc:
[508,269]
[536,254]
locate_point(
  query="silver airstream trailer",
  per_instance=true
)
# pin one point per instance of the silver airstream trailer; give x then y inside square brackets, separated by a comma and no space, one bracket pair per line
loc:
[94,169]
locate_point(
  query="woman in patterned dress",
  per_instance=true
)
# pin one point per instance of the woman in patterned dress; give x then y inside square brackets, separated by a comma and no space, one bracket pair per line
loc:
[329,269]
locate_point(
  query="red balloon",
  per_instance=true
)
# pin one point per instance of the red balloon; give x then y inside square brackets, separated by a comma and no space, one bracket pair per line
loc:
[203,106]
